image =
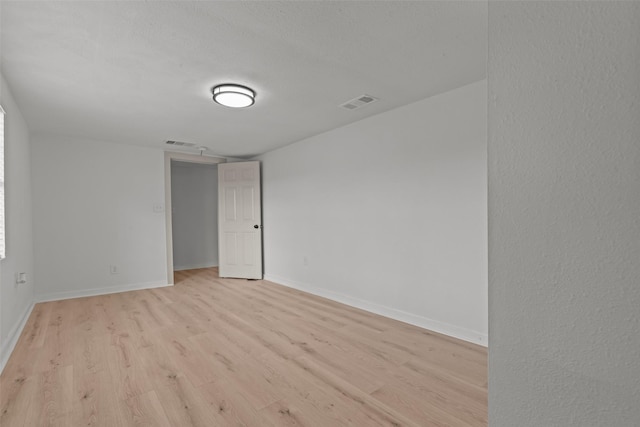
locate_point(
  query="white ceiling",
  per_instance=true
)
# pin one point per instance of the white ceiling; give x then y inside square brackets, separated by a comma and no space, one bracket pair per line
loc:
[140,72]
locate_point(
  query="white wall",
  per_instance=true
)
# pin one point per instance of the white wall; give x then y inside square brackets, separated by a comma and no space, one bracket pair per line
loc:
[94,207]
[194,196]
[564,210]
[16,301]
[389,212]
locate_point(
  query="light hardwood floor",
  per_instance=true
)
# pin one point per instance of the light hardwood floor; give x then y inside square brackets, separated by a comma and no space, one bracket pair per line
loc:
[220,352]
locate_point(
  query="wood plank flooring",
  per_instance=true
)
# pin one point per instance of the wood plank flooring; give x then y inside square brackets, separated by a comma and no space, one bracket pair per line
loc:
[223,352]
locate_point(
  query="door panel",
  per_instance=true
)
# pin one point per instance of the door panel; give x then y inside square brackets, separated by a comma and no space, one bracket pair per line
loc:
[240,213]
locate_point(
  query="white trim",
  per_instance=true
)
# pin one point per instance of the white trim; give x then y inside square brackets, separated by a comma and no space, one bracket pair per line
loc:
[57,296]
[468,335]
[193,266]
[12,338]
[182,157]
[195,158]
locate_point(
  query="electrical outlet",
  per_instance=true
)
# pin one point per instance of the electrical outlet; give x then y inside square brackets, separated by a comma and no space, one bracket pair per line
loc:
[113,269]
[158,207]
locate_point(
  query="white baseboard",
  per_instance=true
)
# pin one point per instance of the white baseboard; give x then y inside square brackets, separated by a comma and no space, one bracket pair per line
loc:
[392,313]
[193,266]
[12,338]
[57,296]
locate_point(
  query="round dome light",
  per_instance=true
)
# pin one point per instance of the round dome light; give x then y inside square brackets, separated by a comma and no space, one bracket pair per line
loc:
[234,96]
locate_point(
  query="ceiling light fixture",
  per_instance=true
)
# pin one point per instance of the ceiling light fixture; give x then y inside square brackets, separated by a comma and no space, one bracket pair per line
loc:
[234,96]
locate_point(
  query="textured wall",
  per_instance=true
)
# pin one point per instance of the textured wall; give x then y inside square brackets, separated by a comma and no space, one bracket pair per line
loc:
[388,213]
[15,300]
[564,214]
[94,207]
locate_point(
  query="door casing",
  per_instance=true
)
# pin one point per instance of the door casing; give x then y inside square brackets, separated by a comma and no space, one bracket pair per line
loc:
[183,157]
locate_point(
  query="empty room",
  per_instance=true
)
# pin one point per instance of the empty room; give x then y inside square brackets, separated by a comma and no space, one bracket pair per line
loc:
[319,213]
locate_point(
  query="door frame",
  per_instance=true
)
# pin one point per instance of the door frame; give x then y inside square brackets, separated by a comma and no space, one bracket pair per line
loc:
[181,157]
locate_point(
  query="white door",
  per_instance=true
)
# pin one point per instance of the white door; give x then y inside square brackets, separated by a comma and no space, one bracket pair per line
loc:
[239,220]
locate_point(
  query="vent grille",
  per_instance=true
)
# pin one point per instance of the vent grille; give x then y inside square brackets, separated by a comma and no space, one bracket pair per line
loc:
[359,102]
[181,144]
[200,148]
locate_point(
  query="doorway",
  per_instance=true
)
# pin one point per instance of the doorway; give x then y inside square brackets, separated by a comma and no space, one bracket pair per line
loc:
[194,209]
[191,199]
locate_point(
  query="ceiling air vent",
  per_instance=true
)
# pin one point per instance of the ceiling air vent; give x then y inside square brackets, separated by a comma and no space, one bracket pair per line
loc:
[182,144]
[359,102]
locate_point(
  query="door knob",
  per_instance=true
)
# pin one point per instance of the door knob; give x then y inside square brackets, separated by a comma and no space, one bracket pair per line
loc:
[256,226]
